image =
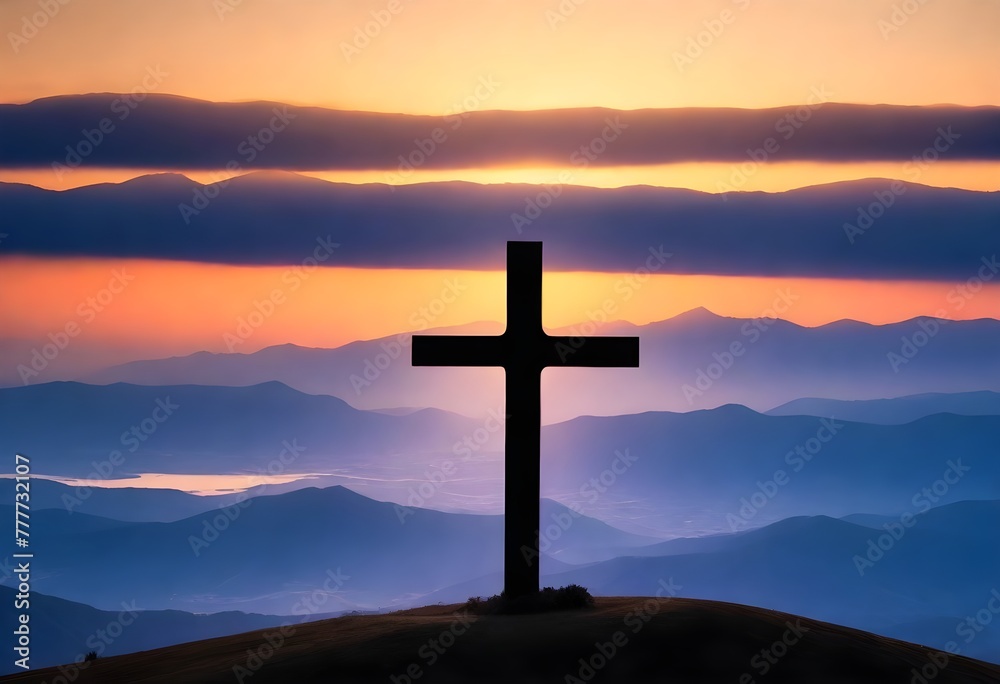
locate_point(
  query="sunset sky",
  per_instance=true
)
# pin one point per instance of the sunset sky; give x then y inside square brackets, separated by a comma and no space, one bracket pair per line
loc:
[430,58]
[430,54]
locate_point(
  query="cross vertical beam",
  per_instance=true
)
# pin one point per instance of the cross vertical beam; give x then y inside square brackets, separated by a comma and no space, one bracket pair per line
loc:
[523,350]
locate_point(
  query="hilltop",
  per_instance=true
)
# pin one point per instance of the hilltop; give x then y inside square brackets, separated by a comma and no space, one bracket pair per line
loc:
[621,639]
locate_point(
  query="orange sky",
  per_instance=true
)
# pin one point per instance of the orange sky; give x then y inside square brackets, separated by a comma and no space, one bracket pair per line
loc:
[169,308]
[427,58]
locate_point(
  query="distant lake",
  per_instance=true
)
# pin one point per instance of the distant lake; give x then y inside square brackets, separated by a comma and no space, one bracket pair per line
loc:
[205,485]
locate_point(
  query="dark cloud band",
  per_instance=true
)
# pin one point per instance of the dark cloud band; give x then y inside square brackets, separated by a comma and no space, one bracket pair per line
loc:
[169,132]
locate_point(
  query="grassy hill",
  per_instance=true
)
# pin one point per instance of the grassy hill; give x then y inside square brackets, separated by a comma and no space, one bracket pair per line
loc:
[621,640]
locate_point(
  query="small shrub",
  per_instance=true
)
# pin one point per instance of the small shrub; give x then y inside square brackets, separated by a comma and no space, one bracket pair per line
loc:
[572,597]
[90,656]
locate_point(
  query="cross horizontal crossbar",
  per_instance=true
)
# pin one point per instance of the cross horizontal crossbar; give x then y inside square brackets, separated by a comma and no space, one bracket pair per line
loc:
[523,351]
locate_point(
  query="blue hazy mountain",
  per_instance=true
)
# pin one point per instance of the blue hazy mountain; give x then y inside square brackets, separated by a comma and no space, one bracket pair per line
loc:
[807,565]
[686,364]
[895,411]
[938,573]
[656,473]
[129,504]
[796,233]
[266,553]
[275,550]
[66,426]
[730,468]
[64,631]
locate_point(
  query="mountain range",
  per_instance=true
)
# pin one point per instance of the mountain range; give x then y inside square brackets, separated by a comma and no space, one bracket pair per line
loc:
[822,231]
[686,360]
[275,552]
[897,410]
[266,428]
[657,474]
[65,631]
[267,553]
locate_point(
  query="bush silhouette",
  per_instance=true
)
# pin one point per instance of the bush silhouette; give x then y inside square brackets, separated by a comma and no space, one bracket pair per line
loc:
[571,597]
[90,656]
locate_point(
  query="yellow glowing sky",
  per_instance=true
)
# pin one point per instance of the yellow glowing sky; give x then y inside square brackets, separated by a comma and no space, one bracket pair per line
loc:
[430,54]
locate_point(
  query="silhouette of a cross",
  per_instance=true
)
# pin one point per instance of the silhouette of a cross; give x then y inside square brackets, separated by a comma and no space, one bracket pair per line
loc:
[523,350]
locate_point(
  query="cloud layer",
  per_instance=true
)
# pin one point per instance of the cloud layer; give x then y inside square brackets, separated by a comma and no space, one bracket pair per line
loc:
[169,132]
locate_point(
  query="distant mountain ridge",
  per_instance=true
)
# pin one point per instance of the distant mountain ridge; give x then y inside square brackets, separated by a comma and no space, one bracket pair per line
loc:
[895,411]
[223,559]
[684,474]
[816,566]
[778,362]
[63,631]
[267,428]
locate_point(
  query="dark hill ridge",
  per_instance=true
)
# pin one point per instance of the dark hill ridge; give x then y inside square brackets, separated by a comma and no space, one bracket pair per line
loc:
[622,639]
